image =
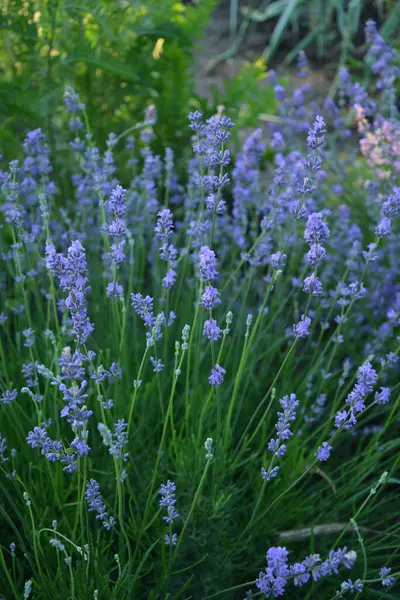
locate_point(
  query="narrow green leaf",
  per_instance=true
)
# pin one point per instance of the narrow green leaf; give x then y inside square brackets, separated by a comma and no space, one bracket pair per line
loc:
[392,22]
[259,16]
[280,27]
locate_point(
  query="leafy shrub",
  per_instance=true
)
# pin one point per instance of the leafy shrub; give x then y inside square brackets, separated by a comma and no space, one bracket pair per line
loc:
[119,56]
[194,373]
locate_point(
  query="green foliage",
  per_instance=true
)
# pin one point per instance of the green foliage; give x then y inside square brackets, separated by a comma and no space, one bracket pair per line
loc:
[120,56]
[246,96]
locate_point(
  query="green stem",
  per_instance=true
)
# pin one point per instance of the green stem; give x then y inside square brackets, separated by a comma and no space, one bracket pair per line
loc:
[192,507]
[136,388]
[265,398]
[7,574]
[177,369]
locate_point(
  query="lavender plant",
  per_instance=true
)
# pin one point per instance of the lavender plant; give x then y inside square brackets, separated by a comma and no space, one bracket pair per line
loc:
[192,373]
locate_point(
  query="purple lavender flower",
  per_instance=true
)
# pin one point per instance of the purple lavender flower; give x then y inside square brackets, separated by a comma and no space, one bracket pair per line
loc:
[168,501]
[71,364]
[289,405]
[29,336]
[53,450]
[75,394]
[384,574]
[71,271]
[323,452]
[303,69]
[37,438]
[301,329]
[96,504]
[155,332]
[312,285]
[120,440]
[208,264]
[216,377]
[211,330]
[316,254]
[383,62]
[384,227]
[353,291]
[157,364]
[3,449]
[278,260]
[341,419]
[169,279]
[195,119]
[8,396]
[114,290]
[316,230]
[75,124]
[278,141]
[273,581]
[143,306]
[117,202]
[210,298]
[383,396]
[72,102]
[117,229]
[316,135]
[391,206]
[366,379]
[270,474]
[80,446]
[300,574]
[171,541]
[70,462]
[279,93]
[349,586]
[164,228]
[315,234]
[215,205]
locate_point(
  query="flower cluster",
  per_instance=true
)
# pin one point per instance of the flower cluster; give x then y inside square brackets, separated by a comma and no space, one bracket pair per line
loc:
[117,232]
[366,379]
[278,449]
[273,581]
[207,264]
[217,375]
[164,231]
[96,504]
[71,272]
[116,442]
[168,501]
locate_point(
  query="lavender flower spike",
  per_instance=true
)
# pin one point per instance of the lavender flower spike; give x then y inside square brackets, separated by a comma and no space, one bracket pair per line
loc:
[301,329]
[207,264]
[216,377]
[96,504]
[289,405]
[323,452]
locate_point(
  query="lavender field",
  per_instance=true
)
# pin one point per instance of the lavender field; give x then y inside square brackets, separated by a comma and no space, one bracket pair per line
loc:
[199,349]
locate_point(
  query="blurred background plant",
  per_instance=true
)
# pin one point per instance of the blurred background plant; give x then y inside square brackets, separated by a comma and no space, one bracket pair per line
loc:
[119,55]
[328,29]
